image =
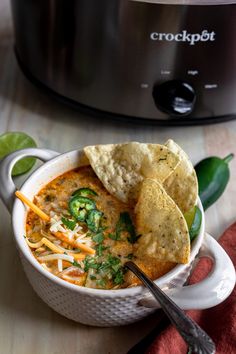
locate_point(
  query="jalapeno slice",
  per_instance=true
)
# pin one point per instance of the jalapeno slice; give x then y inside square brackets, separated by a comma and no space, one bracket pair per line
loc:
[93,220]
[84,192]
[80,206]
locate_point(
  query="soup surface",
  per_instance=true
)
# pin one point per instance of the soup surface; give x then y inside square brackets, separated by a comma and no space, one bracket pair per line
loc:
[90,235]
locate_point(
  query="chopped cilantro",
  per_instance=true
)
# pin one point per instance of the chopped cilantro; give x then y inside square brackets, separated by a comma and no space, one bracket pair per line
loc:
[93,277]
[76,264]
[109,269]
[102,228]
[98,238]
[93,220]
[101,283]
[119,277]
[115,267]
[129,256]
[125,224]
[114,236]
[90,262]
[70,224]
[112,260]
[100,248]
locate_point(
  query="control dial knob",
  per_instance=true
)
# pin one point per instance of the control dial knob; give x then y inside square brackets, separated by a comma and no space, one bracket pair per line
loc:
[176,97]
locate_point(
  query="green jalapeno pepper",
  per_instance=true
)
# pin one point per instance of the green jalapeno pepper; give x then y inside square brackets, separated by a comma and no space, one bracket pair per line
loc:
[80,206]
[213,175]
[84,192]
[93,220]
[193,218]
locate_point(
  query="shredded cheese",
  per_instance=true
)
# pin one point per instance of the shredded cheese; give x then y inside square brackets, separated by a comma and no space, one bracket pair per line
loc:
[46,267]
[32,206]
[54,248]
[72,269]
[75,244]
[35,244]
[64,249]
[58,226]
[59,265]
[78,274]
[53,257]
[70,278]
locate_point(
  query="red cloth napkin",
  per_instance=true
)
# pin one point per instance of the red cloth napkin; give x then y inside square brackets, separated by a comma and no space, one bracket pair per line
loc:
[219,322]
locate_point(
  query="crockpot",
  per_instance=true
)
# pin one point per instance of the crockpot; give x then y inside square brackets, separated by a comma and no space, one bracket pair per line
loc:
[172,62]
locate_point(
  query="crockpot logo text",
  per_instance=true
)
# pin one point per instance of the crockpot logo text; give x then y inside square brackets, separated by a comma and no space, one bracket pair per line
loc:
[184,36]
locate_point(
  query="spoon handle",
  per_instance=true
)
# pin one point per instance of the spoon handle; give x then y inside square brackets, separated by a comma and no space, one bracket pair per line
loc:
[197,339]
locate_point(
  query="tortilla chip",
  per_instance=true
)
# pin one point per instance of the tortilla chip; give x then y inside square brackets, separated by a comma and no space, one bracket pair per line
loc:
[122,167]
[163,229]
[182,184]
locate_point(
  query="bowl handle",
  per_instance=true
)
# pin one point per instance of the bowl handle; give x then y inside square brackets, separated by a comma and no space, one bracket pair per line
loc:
[7,186]
[211,291]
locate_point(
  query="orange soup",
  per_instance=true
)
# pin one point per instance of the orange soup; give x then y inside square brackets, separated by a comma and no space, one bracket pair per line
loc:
[90,236]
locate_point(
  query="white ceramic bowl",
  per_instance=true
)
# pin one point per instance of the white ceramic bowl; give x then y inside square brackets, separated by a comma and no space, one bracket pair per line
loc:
[107,307]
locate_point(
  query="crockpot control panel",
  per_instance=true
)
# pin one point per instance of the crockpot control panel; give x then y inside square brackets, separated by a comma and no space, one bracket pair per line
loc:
[175,97]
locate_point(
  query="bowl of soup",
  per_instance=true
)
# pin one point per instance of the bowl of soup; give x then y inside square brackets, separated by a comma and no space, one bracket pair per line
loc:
[75,260]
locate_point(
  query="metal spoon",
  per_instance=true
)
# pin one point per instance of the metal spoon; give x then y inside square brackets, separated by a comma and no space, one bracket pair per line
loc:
[199,342]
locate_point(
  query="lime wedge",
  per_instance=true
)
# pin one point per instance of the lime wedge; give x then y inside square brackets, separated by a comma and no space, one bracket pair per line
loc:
[193,218]
[12,141]
[189,216]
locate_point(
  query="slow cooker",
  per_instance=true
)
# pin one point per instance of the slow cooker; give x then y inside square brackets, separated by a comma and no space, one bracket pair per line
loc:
[171,62]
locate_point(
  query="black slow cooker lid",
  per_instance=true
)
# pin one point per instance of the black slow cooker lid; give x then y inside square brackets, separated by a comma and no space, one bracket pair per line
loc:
[189,2]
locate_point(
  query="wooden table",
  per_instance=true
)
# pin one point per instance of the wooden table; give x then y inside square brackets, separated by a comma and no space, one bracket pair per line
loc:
[27,325]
